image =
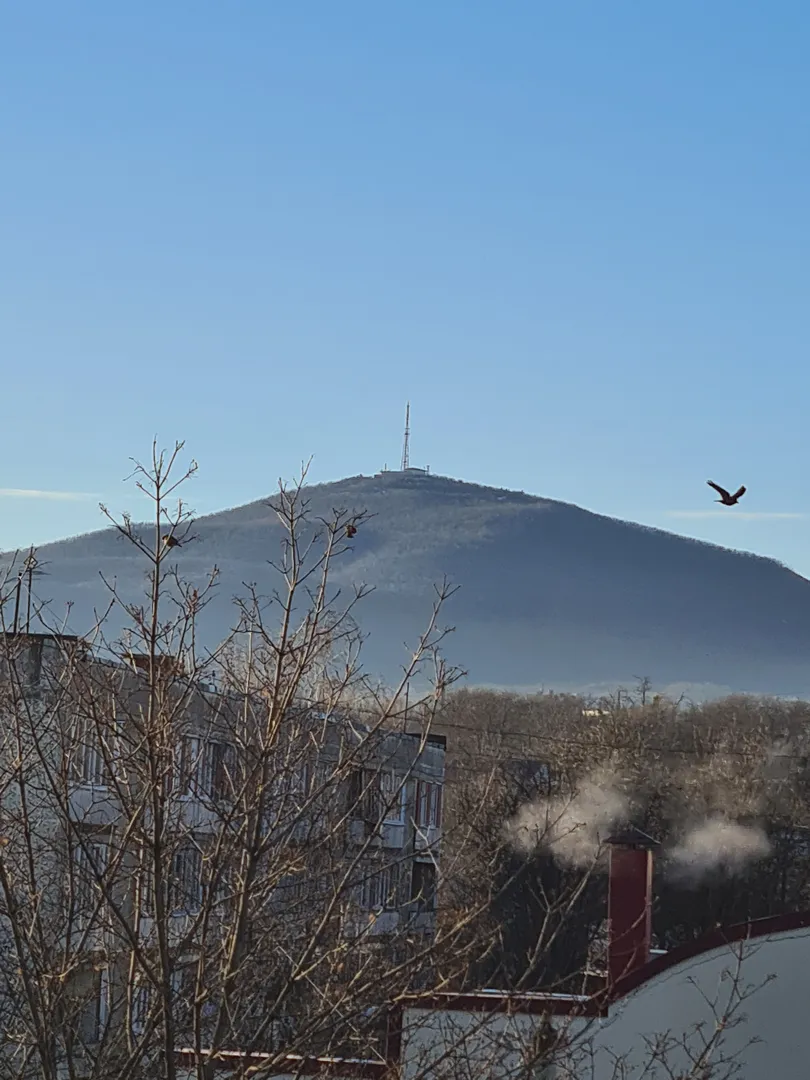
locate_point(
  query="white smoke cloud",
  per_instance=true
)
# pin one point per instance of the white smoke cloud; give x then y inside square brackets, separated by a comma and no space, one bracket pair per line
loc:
[717,844]
[574,828]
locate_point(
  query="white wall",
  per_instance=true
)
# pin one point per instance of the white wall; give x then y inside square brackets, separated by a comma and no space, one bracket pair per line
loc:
[679,1007]
[450,1044]
[446,1044]
[758,991]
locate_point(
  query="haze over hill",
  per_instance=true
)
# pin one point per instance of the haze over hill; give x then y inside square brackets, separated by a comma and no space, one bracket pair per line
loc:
[551,595]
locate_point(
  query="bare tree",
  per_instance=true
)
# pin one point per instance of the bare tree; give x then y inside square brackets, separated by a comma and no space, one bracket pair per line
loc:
[241,852]
[216,850]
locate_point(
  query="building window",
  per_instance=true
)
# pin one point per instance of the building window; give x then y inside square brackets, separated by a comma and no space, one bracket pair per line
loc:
[379,890]
[189,762]
[183,988]
[103,1004]
[423,886]
[302,780]
[428,805]
[94,1004]
[296,888]
[88,762]
[290,787]
[205,768]
[365,795]
[146,889]
[395,797]
[218,878]
[220,774]
[89,868]
[185,890]
[140,1007]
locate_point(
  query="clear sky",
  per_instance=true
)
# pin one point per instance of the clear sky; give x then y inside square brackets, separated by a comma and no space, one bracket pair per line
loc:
[574,234]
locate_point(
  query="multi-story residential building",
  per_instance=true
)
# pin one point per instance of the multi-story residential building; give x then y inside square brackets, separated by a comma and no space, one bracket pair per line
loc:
[207,865]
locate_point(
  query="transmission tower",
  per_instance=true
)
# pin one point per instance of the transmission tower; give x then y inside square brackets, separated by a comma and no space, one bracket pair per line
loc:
[406,461]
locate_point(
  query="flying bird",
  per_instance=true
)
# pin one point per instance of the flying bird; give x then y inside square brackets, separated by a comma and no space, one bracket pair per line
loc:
[725,498]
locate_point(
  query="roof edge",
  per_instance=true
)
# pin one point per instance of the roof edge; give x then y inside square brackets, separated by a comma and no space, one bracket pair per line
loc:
[751,930]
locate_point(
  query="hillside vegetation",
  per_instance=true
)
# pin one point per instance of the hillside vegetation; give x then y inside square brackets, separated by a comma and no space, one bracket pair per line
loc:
[551,595]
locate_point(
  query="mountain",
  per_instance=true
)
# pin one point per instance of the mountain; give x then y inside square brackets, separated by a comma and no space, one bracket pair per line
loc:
[551,595]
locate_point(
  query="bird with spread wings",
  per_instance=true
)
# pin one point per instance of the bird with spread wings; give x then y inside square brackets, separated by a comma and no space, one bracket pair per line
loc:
[725,498]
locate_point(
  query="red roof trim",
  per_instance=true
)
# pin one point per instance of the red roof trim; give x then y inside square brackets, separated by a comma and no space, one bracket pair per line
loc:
[597,1005]
[727,935]
[518,1003]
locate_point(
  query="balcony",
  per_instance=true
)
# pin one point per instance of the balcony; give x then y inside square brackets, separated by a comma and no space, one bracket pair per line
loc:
[372,923]
[93,805]
[427,838]
[362,832]
[388,834]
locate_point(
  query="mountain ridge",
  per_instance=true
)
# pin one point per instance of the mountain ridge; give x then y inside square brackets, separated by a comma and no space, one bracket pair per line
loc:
[551,594]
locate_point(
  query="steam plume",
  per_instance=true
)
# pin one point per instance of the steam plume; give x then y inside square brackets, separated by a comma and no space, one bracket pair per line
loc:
[573,828]
[717,844]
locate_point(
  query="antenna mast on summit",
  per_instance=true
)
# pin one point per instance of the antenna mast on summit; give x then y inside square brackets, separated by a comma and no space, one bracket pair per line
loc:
[406,461]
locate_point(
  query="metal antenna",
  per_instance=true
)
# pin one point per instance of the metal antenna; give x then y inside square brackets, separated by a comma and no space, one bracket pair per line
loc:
[30,567]
[16,624]
[406,461]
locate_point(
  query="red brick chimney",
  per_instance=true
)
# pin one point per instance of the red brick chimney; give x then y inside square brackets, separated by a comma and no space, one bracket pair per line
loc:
[629,902]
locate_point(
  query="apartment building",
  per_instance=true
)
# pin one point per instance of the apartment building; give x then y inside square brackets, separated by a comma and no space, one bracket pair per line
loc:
[187,835]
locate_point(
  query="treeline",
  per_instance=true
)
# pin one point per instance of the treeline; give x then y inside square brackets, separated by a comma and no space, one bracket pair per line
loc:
[538,782]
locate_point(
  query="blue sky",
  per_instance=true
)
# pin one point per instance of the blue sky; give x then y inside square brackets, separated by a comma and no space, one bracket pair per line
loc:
[574,235]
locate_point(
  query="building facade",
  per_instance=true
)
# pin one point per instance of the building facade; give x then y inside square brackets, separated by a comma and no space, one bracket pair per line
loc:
[212,870]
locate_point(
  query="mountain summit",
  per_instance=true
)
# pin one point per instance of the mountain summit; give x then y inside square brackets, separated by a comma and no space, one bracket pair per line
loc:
[551,595]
